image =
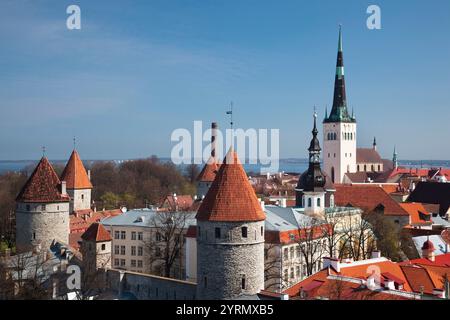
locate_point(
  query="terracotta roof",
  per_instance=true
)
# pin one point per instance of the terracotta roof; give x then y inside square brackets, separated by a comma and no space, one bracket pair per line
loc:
[367,198]
[417,213]
[96,232]
[418,279]
[75,174]
[209,171]
[43,185]
[368,155]
[231,197]
[177,202]
[80,220]
[439,260]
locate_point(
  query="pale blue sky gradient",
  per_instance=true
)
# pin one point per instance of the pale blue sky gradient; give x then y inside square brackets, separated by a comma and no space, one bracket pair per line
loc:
[140,69]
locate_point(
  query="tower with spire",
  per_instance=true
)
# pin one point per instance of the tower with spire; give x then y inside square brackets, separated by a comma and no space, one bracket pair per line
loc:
[42,210]
[339,128]
[230,236]
[310,190]
[78,182]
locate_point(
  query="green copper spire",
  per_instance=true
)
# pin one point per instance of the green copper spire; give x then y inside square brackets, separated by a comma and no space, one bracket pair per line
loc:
[340,39]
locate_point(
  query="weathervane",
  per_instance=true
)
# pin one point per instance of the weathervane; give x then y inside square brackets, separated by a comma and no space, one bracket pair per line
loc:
[231,114]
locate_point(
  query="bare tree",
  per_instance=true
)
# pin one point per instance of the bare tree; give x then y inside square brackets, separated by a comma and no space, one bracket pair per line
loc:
[273,267]
[165,245]
[309,238]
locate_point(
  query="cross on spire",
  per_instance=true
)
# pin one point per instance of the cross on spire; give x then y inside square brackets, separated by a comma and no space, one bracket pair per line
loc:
[230,113]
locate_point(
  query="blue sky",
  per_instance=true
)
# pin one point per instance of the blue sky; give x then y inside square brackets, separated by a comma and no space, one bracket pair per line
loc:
[137,70]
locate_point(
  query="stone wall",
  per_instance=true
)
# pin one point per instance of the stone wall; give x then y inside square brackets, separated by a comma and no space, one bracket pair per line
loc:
[223,263]
[149,287]
[80,199]
[37,226]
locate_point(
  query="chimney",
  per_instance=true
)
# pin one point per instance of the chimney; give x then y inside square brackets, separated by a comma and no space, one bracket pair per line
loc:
[440,293]
[335,264]
[214,128]
[370,283]
[376,254]
[263,206]
[389,284]
[89,174]
[63,187]
[283,203]
[326,262]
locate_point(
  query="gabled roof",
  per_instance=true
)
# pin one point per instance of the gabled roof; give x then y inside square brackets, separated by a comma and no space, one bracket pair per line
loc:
[75,174]
[96,232]
[231,198]
[367,155]
[368,198]
[42,186]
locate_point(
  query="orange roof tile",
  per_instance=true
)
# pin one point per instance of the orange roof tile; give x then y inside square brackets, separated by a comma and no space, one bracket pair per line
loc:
[367,198]
[418,279]
[43,185]
[209,171]
[417,213]
[231,197]
[96,232]
[75,174]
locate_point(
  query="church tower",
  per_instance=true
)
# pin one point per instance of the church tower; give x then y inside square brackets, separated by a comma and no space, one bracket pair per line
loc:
[78,182]
[230,236]
[42,210]
[339,129]
[310,190]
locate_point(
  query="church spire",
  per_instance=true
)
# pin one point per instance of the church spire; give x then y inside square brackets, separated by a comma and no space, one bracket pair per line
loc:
[339,112]
[374,143]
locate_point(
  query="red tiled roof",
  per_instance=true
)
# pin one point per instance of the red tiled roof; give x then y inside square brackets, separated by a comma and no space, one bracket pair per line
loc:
[367,155]
[177,202]
[231,197]
[367,198]
[209,171]
[418,279]
[296,235]
[80,220]
[96,232]
[75,174]
[42,186]
[417,213]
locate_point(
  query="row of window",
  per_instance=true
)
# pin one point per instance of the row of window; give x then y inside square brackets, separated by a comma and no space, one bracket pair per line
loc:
[300,272]
[289,252]
[359,167]
[318,202]
[122,235]
[218,232]
[121,250]
[43,207]
[345,136]
[133,263]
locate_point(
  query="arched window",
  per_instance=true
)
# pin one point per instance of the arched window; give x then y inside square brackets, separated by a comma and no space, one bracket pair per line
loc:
[358,167]
[332,201]
[365,168]
[318,202]
[332,173]
[335,136]
[373,168]
[379,168]
[309,203]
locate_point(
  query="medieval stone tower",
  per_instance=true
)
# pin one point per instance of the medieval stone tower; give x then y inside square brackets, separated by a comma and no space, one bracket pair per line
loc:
[42,210]
[339,129]
[230,236]
[78,182]
[96,248]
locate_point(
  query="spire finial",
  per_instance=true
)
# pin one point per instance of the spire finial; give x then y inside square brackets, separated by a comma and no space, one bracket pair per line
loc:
[315,126]
[340,38]
[74,142]
[43,151]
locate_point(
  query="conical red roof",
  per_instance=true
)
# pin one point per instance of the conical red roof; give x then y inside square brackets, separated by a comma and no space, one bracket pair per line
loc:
[43,185]
[209,171]
[231,198]
[96,232]
[75,174]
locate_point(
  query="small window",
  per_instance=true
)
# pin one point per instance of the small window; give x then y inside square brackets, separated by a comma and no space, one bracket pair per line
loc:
[140,251]
[244,232]
[133,235]
[140,236]
[158,236]
[28,207]
[217,232]
[116,250]
[318,202]
[309,203]
[205,282]
[122,262]
[243,284]
[116,262]
[133,250]
[34,235]
[103,247]
[82,197]
[122,250]
[140,264]
[133,263]
[123,235]
[262,231]
[116,235]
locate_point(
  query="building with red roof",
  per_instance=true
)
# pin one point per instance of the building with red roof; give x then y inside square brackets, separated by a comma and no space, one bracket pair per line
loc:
[42,210]
[96,248]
